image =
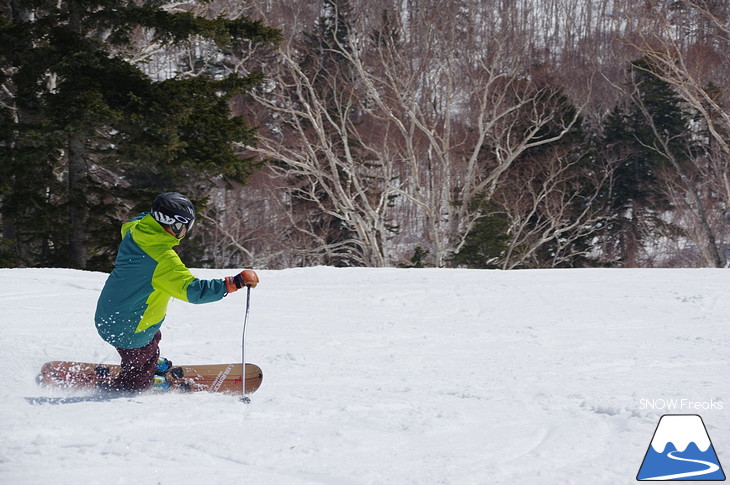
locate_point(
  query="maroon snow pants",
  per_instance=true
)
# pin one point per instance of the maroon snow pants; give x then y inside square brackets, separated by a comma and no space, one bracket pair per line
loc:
[138,366]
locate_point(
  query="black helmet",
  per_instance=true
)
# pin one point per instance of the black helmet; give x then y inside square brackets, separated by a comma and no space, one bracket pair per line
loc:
[175,211]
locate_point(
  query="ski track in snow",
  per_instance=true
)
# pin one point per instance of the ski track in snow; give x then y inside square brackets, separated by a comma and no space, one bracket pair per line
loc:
[378,376]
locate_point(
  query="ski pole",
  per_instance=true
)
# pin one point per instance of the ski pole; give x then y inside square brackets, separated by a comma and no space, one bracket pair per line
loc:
[244,398]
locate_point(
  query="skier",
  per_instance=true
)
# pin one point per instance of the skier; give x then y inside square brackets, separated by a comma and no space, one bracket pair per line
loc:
[147,273]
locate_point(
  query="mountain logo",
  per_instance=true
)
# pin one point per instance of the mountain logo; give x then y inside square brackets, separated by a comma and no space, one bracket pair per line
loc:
[680,450]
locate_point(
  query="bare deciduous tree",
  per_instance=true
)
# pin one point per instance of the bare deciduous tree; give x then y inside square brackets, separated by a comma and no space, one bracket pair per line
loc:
[689,51]
[434,114]
[434,106]
[554,207]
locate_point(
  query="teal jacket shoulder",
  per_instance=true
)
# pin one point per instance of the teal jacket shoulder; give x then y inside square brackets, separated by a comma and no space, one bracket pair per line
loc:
[147,273]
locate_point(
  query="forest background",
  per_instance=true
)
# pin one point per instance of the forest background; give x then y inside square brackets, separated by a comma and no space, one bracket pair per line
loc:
[445,133]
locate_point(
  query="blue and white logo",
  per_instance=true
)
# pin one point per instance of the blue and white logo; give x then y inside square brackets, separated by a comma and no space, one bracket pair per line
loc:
[681,450]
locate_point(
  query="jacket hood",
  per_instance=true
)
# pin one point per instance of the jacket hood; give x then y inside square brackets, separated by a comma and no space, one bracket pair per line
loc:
[148,232]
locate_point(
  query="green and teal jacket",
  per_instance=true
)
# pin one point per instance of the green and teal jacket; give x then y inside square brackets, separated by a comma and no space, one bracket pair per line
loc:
[147,273]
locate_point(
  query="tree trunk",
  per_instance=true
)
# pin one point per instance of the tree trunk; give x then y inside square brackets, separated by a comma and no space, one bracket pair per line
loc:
[78,211]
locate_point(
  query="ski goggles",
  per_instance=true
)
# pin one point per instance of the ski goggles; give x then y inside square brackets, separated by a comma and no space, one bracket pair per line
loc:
[182,226]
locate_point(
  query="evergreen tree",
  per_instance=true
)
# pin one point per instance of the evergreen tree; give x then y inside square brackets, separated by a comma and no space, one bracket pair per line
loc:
[328,46]
[89,130]
[642,137]
[487,243]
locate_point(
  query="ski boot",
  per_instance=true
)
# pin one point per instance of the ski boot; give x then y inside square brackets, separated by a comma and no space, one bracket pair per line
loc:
[164,368]
[160,384]
[163,365]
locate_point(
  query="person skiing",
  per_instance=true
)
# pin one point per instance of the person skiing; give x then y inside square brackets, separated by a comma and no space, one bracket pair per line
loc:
[147,273]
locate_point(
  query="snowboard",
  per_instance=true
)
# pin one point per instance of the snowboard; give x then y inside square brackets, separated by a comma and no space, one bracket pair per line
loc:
[225,378]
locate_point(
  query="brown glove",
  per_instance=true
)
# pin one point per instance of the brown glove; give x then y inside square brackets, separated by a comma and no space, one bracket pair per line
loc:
[247,277]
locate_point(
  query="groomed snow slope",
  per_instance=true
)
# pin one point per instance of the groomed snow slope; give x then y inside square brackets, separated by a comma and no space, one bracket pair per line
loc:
[376,376]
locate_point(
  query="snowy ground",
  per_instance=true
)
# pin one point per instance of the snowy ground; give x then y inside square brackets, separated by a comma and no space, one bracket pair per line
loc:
[376,376]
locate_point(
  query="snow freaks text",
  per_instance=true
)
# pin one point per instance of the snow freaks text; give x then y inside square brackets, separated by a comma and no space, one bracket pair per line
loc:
[681,405]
